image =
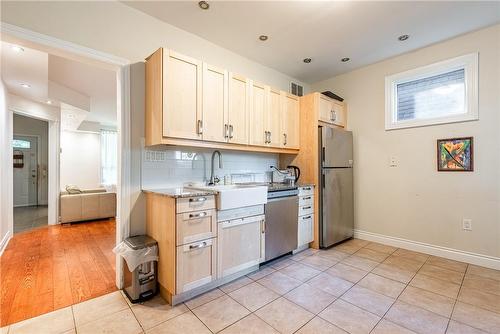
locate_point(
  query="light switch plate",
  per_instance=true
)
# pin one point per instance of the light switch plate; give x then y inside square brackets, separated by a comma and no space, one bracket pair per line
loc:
[467,224]
[393,161]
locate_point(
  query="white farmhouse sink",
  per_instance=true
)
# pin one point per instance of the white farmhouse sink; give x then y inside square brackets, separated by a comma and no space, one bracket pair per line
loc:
[236,196]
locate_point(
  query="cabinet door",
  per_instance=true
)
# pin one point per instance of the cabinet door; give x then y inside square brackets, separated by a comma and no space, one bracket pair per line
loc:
[196,264]
[325,109]
[182,116]
[239,105]
[289,121]
[273,119]
[339,113]
[305,230]
[214,103]
[239,245]
[258,114]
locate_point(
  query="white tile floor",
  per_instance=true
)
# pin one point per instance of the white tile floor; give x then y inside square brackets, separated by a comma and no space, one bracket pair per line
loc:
[357,287]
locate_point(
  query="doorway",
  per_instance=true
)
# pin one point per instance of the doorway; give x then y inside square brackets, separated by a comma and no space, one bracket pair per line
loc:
[73,262]
[30,174]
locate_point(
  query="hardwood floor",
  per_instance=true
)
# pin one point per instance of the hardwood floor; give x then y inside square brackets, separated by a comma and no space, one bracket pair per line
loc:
[52,267]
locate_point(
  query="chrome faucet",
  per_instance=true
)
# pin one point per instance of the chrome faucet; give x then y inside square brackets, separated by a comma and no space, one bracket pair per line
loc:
[213,179]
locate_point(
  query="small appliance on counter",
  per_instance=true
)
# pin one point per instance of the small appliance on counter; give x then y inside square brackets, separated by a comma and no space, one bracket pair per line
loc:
[141,283]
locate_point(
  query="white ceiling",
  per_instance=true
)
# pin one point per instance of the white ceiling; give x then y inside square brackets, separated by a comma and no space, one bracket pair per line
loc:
[40,70]
[324,31]
[27,67]
[92,81]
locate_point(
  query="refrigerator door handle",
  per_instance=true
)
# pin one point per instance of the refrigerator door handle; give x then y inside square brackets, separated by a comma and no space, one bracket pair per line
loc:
[323,154]
[323,179]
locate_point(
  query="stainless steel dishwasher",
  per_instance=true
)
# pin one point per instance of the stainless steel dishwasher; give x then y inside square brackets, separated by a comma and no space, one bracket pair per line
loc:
[281,222]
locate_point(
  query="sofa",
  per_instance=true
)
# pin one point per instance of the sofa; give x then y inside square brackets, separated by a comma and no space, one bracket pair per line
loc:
[87,204]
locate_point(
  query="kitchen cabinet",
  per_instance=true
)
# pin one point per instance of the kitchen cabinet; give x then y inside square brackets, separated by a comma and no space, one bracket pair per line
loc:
[241,244]
[305,233]
[273,119]
[192,103]
[258,115]
[265,116]
[238,109]
[214,104]
[290,120]
[331,111]
[196,264]
[182,110]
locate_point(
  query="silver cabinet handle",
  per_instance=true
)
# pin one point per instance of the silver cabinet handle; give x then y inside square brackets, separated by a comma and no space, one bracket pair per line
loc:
[308,197]
[306,188]
[307,217]
[230,131]
[226,131]
[200,127]
[334,115]
[263,226]
[306,207]
[197,215]
[270,134]
[198,199]
[268,137]
[284,139]
[200,245]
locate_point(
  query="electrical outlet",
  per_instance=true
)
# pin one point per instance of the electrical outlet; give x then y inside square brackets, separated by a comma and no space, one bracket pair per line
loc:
[467,224]
[393,161]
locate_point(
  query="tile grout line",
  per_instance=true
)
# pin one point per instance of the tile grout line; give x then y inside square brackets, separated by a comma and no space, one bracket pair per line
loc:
[396,299]
[456,300]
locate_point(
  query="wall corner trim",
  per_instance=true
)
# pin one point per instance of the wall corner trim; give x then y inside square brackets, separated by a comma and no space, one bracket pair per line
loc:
[449,253]
[5,241]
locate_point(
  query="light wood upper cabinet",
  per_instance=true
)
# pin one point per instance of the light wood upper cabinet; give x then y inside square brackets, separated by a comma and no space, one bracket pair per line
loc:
[191,103]
[273,119]
[290,121]
[239,106]
[258,114]
[214,103]
[182,114]
[331,111]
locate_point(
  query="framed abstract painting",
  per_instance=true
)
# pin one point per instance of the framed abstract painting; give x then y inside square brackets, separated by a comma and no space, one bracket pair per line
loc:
[455,155]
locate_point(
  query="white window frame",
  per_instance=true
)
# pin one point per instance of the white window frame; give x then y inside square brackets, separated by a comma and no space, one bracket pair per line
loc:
[467,62]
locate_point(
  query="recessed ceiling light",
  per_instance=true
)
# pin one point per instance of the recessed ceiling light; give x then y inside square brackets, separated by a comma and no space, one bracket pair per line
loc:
[204,5]
[25,85]
[263,37]
[307,60]
[49,102]
[403,37]
[345,59]
[17,48]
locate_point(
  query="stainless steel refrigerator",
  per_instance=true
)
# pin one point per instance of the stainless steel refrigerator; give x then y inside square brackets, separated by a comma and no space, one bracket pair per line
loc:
[336,219]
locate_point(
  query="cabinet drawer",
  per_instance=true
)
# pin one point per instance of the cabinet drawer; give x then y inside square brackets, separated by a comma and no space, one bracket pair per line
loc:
[196,225]
[306,200]
[195,203]
[306,210]
[305,230]
[306,191]
[195,264]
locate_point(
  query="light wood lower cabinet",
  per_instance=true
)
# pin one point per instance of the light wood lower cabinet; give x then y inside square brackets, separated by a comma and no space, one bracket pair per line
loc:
[305,233]
[196,264]
[195,226]
[240,244]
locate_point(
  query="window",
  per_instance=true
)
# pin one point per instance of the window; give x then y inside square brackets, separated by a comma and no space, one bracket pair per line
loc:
[443,92]
[19,143]
[109,157]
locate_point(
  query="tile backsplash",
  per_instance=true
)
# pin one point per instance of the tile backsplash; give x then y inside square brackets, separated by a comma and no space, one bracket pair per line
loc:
[175,166]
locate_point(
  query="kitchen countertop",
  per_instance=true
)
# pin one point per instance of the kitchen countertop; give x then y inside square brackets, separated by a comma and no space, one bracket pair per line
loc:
[179,192]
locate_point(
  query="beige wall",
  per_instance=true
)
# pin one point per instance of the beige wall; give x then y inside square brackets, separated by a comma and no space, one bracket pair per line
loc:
[6,174]
[118,29]
[413,201]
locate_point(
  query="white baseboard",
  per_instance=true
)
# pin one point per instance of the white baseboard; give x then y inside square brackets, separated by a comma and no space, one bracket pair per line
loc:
[5,241]
[449,253]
